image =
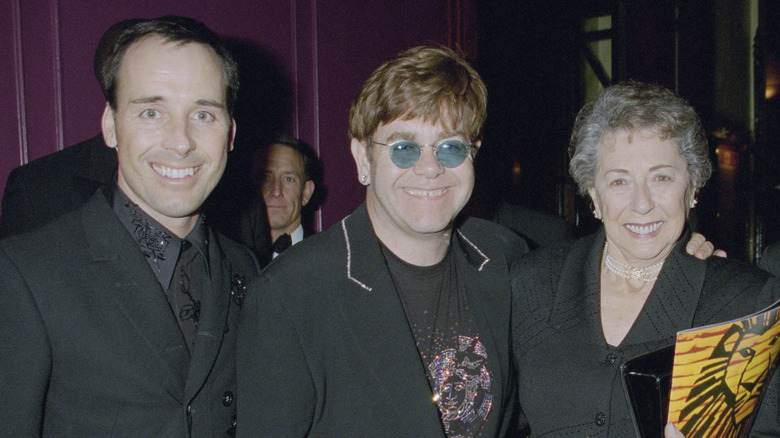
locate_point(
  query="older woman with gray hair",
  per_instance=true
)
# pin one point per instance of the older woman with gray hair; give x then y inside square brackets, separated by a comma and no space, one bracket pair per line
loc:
[582,309]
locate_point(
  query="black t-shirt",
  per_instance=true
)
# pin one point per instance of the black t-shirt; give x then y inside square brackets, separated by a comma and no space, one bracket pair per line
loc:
[444,329]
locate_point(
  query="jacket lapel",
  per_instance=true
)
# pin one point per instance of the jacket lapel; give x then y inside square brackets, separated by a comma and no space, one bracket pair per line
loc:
[490,307]
[576,304]
[211,328]
[672,303]
[380,332]
[669,308]
[119,267]
[96,167]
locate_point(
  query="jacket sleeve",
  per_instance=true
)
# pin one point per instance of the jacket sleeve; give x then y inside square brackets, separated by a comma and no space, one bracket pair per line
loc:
[16,204]
[276,393]
[25,360]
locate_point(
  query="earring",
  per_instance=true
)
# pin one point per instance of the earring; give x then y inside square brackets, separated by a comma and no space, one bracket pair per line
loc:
[596,215]
[363,179]
[694,202]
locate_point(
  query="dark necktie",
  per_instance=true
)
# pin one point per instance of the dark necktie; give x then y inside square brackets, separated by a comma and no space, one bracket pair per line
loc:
[281,243]
[185,291]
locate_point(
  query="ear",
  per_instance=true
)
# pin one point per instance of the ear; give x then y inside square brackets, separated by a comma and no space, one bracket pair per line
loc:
[690,200]
[232,133]
[360,154]
[594,196]
[475,147]
[308,190]
[108,126]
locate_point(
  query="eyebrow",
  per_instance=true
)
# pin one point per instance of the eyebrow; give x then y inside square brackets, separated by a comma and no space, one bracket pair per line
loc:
[652,169]
[404,135]
[156,99]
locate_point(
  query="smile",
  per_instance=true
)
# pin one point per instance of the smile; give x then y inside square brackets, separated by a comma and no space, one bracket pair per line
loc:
[644,229]
[170,172]
[425,193]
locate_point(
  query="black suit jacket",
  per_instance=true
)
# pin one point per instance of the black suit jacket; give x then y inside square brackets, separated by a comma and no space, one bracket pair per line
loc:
[325,348]
[770,259]
[90,346]
[53,185]
[536,227]
[568,376]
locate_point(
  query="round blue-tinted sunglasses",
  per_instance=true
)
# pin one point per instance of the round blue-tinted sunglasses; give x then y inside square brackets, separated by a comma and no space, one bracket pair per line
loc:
[406,153]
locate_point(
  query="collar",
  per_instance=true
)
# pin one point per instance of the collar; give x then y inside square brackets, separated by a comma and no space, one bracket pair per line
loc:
[670,307]
[158,244]
[297,234]
[364,252]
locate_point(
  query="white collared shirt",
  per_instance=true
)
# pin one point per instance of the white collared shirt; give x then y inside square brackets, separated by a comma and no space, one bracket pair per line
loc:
[295,237]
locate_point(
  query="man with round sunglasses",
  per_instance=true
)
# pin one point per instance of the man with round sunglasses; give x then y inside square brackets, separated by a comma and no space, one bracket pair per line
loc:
[395,320]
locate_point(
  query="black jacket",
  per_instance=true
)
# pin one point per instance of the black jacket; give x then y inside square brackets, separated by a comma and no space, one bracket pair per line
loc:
[325,348]
[90,346]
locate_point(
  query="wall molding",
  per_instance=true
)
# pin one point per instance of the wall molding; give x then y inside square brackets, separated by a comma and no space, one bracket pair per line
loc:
[59,125]
[21,108]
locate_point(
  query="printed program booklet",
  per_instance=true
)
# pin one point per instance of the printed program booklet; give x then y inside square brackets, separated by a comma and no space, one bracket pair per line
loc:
[710,383]
[720,372]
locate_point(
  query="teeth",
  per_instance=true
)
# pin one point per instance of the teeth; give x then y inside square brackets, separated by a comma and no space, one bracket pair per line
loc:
[169,172]
[425,193]
[644,229]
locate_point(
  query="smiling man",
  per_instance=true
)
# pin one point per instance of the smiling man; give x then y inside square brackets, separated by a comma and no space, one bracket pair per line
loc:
[119,318]
[359,331]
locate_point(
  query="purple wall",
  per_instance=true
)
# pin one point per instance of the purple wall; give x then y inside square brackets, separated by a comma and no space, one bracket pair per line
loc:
[320,51]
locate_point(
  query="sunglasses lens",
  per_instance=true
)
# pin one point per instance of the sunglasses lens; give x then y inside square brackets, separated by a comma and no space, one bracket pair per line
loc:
[451,153]
[404,153]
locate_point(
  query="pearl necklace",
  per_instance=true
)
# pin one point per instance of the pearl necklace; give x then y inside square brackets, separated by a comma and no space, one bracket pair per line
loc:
[649,273]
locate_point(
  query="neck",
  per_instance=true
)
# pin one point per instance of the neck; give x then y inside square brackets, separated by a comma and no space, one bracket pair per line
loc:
[425,251]
[179,226]
[416,252]
[628,272]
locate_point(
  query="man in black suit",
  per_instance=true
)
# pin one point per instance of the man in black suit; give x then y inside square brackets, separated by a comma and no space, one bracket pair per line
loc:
[119,318]
[286,175]
[393,322]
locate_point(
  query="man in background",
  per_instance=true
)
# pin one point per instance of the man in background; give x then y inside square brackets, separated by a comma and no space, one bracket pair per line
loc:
[119,318]
[286,174]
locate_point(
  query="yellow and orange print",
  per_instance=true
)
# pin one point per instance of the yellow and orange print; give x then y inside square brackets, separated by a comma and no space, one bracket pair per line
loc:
[719,375]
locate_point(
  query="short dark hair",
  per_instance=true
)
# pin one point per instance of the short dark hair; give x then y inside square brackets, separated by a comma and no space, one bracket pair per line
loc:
[312,167]
[170,28]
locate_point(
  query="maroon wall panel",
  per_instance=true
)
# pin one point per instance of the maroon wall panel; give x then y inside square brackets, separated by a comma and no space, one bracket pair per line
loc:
[354,38]
[313,58]
[264,24]
[11,118]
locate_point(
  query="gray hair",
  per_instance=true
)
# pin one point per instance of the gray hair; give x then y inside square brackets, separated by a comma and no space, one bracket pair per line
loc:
[633,106]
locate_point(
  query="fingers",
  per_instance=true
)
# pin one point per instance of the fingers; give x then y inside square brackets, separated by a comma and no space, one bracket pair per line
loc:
[699,247]
[705,250]
[670,431]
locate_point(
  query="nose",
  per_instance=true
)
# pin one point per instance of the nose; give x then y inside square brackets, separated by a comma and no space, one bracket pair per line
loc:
[643,199]
[428,166]
[273,186]
[179,138]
